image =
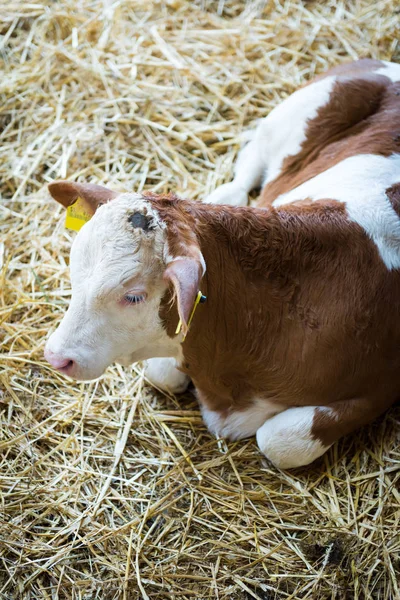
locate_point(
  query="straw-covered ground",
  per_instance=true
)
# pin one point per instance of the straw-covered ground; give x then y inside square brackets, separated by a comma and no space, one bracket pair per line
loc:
[112,490]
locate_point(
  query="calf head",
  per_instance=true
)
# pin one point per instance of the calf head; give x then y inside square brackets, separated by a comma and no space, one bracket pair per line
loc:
[121,266]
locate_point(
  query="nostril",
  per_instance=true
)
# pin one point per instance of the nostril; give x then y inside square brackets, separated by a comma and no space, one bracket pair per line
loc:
[61,363]
[66,365]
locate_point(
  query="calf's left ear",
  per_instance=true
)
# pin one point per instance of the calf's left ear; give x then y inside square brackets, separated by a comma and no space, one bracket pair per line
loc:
[67,193]
[185,274]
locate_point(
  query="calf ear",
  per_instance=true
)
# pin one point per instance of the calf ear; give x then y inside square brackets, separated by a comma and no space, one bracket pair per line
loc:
[67,193]
[185,274]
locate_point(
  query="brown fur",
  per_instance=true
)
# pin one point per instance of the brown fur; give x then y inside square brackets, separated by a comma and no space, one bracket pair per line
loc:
[393,193]
[298,316]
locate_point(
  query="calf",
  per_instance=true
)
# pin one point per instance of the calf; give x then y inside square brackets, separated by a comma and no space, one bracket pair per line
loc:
[299,339]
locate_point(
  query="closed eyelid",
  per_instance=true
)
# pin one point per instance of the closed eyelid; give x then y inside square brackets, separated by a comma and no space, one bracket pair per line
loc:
[134,298]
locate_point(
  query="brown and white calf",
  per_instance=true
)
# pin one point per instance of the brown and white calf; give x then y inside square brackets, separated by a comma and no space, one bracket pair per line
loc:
[299,340]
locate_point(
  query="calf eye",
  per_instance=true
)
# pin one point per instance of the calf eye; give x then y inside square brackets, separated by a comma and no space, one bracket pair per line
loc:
[134,298]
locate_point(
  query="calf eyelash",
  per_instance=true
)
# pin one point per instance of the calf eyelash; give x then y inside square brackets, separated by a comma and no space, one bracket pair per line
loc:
[134,298]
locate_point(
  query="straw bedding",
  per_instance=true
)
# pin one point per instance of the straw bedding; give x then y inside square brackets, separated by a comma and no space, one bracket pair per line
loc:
[112,489]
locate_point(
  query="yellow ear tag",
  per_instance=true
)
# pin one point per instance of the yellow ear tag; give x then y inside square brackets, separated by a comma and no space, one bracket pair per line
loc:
[77,215]
[199,299]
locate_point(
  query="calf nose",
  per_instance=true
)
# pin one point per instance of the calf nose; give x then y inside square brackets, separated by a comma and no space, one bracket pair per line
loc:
[58,361]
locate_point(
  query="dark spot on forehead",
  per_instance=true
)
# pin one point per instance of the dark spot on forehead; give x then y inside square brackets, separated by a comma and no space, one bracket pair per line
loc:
[139,220]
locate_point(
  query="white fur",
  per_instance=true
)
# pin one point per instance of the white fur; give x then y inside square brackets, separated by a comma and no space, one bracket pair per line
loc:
[286,439]
[284,130]
[240,424]
[279,135]
[391,70]
[360,182]
[249,170]
[232,194]
[109,258]
[163,374]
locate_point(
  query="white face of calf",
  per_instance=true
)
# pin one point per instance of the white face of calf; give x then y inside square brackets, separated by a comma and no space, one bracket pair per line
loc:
[118,276]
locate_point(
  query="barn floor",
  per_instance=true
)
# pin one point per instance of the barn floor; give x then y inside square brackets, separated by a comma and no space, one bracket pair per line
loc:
[112,490]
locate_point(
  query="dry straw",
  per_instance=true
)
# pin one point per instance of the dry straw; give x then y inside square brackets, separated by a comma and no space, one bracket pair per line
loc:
[111,490]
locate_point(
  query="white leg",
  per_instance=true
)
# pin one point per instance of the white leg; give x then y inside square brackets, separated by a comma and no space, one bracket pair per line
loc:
[287,440]
[278,136]
[164,375]
[249,170]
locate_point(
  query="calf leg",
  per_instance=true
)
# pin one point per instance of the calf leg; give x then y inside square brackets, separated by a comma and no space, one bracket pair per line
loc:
[164,374]
[249,171]
[297,436]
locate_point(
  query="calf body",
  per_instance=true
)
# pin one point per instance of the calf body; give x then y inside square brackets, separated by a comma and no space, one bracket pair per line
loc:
[299,340]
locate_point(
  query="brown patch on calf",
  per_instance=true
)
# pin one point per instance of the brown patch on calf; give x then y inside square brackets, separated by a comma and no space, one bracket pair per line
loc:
[361,117]
[300,309]
[347,415]
[393,193]
[180,223]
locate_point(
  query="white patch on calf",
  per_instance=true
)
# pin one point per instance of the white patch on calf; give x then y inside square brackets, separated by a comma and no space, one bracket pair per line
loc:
[232,194]
[164,375]
[286,439]
[391,70]
[360,182]
[239,424]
